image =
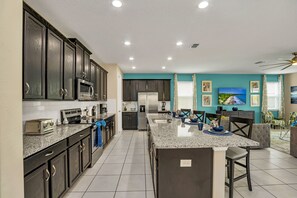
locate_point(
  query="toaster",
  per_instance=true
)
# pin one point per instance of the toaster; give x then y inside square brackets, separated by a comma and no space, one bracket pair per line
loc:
[39,126]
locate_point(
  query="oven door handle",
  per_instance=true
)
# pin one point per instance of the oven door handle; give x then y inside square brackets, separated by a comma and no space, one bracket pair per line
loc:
[92,90]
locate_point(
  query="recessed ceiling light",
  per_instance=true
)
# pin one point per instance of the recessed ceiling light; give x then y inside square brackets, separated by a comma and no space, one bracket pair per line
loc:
[169,58]
[117,3]
[131,58]
[163,67]
[133,67]
[127,43]
[203,4]
[179,43]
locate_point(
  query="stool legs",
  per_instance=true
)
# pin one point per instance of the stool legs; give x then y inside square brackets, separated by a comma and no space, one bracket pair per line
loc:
[231,178]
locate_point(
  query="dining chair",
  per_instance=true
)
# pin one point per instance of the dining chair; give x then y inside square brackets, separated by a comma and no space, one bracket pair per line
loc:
[199,115]
[212,116]
[186,112]
[242,127]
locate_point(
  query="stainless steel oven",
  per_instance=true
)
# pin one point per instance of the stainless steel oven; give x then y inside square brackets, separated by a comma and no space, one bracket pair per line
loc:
[85,90]
[96,150]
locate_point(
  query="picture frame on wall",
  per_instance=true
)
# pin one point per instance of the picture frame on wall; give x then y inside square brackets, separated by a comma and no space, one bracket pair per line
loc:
[255,86]
[294,95]
[206,100]
[255,100]
[206,86]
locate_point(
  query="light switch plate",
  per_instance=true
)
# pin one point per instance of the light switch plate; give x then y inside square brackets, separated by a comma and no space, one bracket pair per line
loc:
[185,163]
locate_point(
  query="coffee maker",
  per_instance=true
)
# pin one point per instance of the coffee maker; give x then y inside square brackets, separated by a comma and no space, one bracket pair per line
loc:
[103,108]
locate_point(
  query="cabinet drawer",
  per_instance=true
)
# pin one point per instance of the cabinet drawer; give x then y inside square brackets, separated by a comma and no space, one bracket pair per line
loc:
[42,157]
[78,136]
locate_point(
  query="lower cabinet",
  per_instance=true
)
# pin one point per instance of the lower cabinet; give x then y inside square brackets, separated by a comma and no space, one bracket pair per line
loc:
[50,172]
[129,121]
[109,131]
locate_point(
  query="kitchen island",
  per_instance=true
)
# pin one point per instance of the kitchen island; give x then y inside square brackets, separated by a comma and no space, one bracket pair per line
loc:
[186,162]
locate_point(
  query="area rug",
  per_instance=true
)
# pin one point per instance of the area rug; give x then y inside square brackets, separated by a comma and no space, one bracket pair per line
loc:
[279,144]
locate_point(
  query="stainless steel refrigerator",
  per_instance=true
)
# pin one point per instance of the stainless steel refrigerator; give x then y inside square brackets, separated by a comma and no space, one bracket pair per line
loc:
[147,103]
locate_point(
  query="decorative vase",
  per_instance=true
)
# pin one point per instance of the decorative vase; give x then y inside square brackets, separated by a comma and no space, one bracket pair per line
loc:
[234,108]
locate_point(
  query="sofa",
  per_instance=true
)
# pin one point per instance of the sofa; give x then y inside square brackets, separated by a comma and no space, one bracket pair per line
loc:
[261,132]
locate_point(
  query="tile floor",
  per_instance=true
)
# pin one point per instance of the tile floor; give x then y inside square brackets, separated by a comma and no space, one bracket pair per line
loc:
[123,172]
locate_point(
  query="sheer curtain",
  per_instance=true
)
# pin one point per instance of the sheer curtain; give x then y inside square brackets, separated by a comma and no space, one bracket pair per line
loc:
[281,112]
[264,97]
[175,104]
[194,92]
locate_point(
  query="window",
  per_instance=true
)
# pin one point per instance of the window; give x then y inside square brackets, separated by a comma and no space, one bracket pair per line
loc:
[273,95]
[185,95]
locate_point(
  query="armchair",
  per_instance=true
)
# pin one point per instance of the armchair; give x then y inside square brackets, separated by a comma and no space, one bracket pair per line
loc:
[270,119]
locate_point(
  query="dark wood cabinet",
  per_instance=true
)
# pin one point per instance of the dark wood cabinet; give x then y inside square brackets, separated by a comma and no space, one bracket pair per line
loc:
[59,175]
[74,154]
[129,121]
[83,61]
[93,72]
[87,65]
[54,66]
[99,78]
[34,52]
[104,85]
[132,87]
[37,183]
[69,71]
[166,88]
[109,130]
[86,152]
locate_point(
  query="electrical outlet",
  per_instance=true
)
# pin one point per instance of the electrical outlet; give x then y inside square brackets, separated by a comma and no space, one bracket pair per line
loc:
[186,163]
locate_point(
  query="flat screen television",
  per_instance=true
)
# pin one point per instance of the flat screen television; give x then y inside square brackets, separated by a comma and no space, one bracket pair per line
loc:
[232,96]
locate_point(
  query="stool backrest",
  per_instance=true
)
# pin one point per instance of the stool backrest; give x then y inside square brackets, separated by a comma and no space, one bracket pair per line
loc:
[186,112]
[199,115]
[241,126]
[212,116]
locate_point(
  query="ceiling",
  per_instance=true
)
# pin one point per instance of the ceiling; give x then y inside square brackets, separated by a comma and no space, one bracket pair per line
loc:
[233,34]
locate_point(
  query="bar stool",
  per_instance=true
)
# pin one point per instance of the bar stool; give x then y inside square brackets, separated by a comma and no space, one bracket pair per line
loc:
[199,115]
[237,126]
[212,116]
[186,112]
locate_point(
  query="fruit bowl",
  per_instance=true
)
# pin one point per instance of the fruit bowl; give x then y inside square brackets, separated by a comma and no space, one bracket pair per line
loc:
[219,128]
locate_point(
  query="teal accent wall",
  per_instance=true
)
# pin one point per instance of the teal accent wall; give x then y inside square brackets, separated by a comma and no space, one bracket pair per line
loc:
[218,81]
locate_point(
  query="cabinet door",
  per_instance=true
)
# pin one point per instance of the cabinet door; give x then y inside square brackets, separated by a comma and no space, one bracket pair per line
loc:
[127,90]
[93,72]
[34,58]
[69,69]
[37,183]
[126,121]
[79,66]
[141,85]
[160,88]
[101,84]
[97,83]
[134,121]
[151,86]
[59,175]
[87,65]
[166,90]
[86,152]
[105,86]
[54,66]
[74,162]
[133,90]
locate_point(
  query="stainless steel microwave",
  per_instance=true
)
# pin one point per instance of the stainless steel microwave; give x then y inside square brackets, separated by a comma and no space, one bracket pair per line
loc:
[85,90]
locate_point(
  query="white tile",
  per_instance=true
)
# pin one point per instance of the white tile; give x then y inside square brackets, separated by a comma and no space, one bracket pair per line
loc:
[82,184]
[294,186]
[263,164]
[235,193]
[131,183]
[119,152]
[284,176]
[99,194]
[258,192]
[281,163]
[149,182]
[137,159]
[263,178]
[102,159]
[136,151]
[130,194]
[74,195]
[282,191]
[94,170]
[115,159]
[150,194]
[104,183]
[133,169]
[110,169]
[292,171]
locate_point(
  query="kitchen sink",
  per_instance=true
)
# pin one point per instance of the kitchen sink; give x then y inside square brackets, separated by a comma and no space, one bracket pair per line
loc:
[159,121]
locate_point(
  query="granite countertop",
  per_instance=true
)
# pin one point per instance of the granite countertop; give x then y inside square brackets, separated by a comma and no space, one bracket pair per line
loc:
[104,116]
[178,135]
[33,144]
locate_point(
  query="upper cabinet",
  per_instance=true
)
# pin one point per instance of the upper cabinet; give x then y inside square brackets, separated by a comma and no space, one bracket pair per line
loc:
[34,42]
[132,87]
[55,51]
[83,61]
[99,78]
[69,71]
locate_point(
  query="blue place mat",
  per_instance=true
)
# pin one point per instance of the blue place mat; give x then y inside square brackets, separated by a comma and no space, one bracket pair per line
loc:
[217,133]
[191,123]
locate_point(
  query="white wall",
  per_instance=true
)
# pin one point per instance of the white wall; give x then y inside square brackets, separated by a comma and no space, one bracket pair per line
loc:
[11,139]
